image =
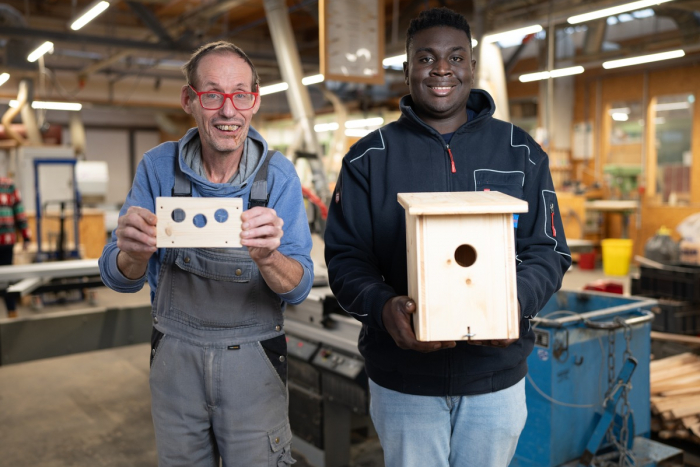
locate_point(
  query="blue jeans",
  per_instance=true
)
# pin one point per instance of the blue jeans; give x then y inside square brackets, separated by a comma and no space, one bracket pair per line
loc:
[459,431]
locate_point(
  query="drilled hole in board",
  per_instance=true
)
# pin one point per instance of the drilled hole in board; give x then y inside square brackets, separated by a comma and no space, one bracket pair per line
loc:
[178,215]
[199,220]
[465,255]
[221,216]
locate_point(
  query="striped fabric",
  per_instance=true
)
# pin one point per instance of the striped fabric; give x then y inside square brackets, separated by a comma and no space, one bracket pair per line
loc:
[12,216]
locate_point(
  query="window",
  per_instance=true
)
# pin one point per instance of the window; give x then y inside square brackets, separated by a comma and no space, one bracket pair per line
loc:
[673,121]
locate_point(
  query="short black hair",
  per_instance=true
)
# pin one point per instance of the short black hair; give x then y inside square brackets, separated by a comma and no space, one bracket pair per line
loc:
[436,17]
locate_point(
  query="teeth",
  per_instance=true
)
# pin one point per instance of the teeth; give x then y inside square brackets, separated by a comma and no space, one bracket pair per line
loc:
[228,127]
[442,88]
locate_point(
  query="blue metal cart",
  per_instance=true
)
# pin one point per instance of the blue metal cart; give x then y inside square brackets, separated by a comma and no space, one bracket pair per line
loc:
[588,372]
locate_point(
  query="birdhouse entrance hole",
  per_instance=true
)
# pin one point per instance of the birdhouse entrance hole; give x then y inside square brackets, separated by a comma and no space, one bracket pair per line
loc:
[465,255]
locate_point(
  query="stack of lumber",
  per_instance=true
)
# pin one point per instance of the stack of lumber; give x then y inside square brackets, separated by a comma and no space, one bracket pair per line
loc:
[675,396]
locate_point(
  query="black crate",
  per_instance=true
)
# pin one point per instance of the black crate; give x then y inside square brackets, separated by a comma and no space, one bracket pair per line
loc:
[676,317]
[681,283]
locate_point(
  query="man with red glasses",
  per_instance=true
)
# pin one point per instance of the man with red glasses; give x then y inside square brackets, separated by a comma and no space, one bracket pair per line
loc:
[218,359]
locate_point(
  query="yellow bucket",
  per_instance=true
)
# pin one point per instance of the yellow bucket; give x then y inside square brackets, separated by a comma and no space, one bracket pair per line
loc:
[617,254]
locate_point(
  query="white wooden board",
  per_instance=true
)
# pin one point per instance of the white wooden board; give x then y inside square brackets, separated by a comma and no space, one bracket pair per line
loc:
[461,202]
[222,229]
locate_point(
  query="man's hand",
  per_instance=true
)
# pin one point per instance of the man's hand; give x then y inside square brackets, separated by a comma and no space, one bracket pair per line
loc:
[261,232]
[396,316]
[136,240]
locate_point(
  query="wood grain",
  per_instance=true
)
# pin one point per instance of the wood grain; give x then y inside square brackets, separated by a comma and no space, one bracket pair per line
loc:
[214,234]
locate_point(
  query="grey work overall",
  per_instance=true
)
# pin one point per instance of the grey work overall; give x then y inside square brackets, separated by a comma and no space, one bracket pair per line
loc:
[219,370]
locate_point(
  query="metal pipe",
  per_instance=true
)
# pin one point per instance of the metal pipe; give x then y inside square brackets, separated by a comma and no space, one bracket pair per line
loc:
[290,67]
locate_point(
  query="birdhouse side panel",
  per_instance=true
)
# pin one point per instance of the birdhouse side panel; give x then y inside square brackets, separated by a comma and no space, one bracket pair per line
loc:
[466,286]
[415,265]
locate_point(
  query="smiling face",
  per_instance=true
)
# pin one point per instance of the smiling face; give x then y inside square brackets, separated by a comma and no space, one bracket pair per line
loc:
[440,74]
[222,131]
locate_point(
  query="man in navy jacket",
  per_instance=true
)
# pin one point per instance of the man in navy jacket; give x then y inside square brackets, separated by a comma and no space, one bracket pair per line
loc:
[440,403]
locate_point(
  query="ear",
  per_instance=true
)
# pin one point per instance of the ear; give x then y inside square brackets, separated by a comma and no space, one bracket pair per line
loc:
[256,107]
[186,99]
[405,73]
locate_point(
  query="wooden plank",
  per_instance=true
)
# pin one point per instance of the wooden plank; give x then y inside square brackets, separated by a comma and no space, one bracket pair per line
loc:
[679,383]
[674,372]
[692,340]
[681,392]
[672,403]
[462,202]
[686,410]
[222,229]
[673,361]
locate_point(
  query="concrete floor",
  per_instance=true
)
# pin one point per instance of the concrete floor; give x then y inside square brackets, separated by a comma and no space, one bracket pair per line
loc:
[93,409]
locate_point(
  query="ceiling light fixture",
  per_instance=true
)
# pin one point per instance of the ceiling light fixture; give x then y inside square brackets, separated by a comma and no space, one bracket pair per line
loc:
[616,10]
[90,13]
[74,106]
[643,59]
[373,121]
[40,51]
[3,78]
[574,70]
[321,127]
[491,38]
[357,132]
[272,88]
[620,117]
[671,106]
[314,79]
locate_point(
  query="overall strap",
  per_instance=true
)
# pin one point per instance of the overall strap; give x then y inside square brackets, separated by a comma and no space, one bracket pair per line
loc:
[258,192]
[182,186]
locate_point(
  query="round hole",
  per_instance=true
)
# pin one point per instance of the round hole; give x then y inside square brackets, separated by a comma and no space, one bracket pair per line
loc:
[221,215]
[178,215]
[465,255]
[199,220]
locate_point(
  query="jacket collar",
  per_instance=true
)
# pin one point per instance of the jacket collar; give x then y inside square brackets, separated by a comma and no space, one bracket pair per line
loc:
[480,102]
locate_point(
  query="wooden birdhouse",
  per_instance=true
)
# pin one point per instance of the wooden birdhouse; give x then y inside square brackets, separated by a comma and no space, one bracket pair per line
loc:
[461,264]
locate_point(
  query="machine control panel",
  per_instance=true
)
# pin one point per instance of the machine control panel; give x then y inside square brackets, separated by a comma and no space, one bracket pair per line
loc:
[301,348]
[337,362]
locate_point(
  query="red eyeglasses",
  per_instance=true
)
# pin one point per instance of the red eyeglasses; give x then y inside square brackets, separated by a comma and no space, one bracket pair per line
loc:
[212,100]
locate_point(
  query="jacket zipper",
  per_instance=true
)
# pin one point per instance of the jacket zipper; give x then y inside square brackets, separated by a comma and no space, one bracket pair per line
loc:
[551,210]
[452,160]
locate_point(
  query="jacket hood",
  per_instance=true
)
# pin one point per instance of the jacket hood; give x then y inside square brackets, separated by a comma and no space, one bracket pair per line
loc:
[206,188]
[480,102]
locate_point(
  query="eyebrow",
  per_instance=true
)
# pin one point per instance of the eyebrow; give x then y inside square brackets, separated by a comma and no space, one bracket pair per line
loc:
[431,50]
[211,85]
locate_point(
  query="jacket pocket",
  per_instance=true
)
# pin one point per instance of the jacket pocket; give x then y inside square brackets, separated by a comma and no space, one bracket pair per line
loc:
[509,183]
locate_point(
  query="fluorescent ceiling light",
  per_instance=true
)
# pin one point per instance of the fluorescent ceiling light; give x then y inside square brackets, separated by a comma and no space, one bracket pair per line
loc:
[671,106]
[620,117]
[491,38]
[41,50]
[374,121]
[273,88]
[621,110]
[74,106]
[321,127]
[604,13]
[90,13]
[357,132]
[574,70]
[312,80]
[643,59]
[3,78]
[396,61]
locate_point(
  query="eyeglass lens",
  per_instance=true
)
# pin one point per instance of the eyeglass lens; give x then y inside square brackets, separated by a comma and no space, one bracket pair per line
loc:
[215,100]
